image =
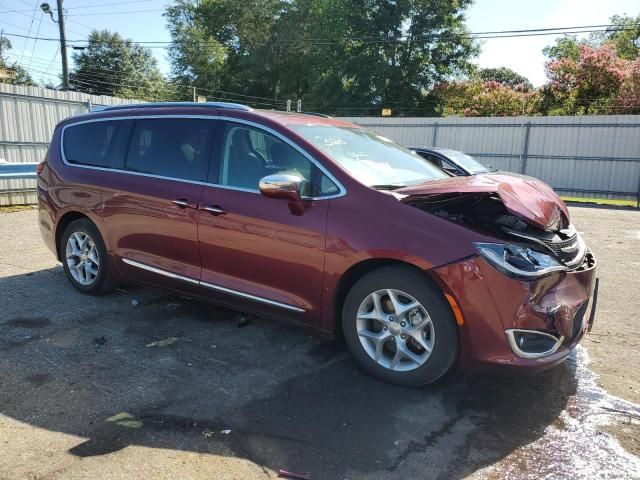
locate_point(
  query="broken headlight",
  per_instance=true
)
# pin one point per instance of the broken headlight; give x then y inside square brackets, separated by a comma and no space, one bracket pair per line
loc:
[519,262]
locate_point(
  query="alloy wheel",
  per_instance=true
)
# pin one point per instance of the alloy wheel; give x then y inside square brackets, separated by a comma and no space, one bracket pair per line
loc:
[395,330]
[82,258]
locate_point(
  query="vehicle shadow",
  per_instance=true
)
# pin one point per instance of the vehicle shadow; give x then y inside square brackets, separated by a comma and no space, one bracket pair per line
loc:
[290,400]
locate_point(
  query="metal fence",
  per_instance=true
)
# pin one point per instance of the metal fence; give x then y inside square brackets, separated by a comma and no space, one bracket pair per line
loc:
[587,156]
[28,116]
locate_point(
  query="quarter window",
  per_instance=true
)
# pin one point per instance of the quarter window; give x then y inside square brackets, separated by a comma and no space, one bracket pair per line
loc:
[97,144]
[175,148]
[249,154]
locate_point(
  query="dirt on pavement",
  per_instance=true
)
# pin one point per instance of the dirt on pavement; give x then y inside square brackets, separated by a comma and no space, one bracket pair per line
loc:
[614,342]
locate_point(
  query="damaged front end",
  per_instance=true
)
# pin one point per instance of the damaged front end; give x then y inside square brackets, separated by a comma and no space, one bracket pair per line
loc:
[529,251]
[523,212]
[525,295]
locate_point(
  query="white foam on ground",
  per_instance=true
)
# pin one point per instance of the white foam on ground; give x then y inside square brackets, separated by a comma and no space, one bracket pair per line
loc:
[574,447]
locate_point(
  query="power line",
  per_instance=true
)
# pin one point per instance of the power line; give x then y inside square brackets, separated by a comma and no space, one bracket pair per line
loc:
[33,16]
[595,105]
[475,35]
[25,15]
[95,5]
[33,50]
[100,74]
[92,80]
[115,13]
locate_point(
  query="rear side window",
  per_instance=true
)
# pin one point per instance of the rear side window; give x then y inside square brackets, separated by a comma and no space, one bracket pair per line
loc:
[173,147]
[97,144]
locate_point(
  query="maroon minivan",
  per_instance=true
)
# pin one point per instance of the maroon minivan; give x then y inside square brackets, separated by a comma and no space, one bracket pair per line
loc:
[318,222]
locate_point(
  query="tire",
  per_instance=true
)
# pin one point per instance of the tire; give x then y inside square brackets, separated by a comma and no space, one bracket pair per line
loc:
[431,339]
[96,278]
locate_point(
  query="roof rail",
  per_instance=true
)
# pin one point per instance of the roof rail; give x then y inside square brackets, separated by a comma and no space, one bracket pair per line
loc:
[128,106]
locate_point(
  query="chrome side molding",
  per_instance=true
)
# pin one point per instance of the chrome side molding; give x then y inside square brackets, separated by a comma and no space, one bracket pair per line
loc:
[218,288]
[252,297]
[159,271]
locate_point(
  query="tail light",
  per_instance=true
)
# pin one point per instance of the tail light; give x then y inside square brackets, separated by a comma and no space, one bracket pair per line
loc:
[40,167]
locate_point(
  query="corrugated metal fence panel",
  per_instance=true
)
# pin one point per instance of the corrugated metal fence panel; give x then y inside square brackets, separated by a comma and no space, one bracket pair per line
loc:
[28,116]
[596,156]
[406,131]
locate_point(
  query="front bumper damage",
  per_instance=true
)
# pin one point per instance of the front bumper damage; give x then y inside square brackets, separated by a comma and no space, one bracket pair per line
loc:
[494,306]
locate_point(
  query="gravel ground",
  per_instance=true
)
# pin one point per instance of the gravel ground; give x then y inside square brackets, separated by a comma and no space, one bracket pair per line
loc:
[614,342]
[83,395]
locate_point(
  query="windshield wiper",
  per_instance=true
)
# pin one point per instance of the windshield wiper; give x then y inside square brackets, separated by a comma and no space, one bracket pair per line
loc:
[390,186]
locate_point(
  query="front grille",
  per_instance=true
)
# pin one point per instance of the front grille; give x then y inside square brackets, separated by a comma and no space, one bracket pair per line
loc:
[572,244]
[557,246]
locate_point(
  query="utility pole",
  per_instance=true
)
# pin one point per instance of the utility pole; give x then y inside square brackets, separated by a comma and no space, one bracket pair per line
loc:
[63,47]
[46,8]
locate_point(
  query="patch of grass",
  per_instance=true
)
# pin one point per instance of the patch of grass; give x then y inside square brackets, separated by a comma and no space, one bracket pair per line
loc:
[601,201]
[16,208]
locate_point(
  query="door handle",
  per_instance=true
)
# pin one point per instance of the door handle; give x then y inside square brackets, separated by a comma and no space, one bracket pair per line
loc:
[214,210]
[181,202]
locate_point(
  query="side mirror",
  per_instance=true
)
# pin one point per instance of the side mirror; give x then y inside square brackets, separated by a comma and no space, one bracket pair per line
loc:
[285,186]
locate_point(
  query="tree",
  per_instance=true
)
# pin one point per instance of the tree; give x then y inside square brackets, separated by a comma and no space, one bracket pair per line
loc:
[627,100]
[223,44]
[505,76]
[111,65]
[476,98]
[11,72]
[338,56]
[624,35]
[565,47]
[582,85]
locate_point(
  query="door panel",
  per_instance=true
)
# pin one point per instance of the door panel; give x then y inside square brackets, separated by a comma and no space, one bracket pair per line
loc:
[252,244]
[259,248]
[151,207]
[144,224]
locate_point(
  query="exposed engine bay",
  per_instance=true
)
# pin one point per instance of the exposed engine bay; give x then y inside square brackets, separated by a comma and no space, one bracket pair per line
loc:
[486,213]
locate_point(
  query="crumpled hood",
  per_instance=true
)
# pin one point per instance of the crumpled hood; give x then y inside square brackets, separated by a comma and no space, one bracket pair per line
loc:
[532,200]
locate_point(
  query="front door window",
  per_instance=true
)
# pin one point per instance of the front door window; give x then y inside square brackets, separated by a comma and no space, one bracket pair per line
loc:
[249,154]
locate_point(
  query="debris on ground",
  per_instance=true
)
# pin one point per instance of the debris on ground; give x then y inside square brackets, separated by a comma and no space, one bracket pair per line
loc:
[244,319]
[99,342]
[135,302]
[124,419]
[163,343]
[207,433]
[225,432]
[288,474]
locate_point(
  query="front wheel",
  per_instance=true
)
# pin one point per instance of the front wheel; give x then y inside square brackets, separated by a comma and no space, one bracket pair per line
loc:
[399,328]
[84,257]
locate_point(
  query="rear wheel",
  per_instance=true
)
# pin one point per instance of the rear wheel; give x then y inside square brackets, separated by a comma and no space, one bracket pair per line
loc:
[399,328]
[84,258]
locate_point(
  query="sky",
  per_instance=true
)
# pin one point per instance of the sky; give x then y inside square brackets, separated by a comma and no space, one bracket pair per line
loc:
[524,54]
[142,20]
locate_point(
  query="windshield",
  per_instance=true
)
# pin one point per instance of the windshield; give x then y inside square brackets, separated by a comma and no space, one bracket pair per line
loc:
[370,158]
[467,162]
